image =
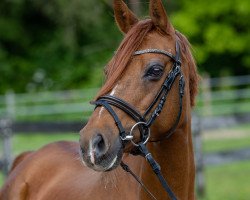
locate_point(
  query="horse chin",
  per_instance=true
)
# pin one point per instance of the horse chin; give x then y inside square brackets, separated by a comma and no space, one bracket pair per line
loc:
[107,165]
[116,161]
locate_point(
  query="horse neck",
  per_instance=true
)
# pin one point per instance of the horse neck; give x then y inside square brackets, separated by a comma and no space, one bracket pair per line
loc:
[176,158]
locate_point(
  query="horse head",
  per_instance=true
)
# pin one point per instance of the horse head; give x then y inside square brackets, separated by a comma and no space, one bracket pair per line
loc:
[151,82]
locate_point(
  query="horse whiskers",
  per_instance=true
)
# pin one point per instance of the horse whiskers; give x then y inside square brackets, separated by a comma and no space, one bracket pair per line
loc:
[110,179]
[78,158]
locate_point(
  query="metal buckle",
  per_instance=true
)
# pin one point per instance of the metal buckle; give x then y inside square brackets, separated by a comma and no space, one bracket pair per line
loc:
[131,133]
[127,137]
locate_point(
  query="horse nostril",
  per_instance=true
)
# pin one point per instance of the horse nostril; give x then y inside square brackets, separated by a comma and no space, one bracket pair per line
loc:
[98,145]
[82,151]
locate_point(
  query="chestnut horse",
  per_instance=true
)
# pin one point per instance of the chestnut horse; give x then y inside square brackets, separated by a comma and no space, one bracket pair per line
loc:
[146,75]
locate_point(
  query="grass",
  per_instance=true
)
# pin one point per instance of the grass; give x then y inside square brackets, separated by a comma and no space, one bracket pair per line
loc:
[1,178]
[227,139]
[226,145]
[26,142]
[228,181]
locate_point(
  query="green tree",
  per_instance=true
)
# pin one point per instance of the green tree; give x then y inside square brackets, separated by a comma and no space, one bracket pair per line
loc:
[54,44]
[219,32]
[59,44]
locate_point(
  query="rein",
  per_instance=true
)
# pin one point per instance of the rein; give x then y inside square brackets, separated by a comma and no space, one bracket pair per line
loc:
[144,124]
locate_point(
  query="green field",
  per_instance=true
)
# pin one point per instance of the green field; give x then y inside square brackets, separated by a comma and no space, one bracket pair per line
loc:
[26,142]
[227,181]
[227,139]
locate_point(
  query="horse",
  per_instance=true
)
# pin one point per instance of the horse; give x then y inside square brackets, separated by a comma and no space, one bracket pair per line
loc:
[142,111]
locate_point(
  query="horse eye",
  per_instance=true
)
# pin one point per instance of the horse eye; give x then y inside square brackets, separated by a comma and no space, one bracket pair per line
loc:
[154,72]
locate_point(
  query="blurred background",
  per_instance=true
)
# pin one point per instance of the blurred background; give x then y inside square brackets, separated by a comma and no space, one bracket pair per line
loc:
[52,55]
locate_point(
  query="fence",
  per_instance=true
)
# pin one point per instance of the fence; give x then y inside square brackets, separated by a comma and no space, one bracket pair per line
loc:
[221,102]
[42,105]
[217,97]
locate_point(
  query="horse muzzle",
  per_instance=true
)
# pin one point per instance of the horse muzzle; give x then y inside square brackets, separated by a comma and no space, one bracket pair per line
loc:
[100,155]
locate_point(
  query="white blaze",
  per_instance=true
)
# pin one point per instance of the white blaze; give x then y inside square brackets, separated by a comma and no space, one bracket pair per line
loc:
[91,153]
[111,94]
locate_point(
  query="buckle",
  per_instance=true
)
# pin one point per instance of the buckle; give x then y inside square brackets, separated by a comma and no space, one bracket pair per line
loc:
[130,136]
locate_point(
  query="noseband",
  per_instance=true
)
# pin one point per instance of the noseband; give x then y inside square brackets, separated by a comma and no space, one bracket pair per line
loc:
[142,121]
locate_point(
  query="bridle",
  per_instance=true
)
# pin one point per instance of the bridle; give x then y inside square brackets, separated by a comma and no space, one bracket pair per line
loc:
[107,101]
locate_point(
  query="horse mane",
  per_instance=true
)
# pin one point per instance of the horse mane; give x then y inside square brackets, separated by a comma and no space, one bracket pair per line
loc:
[133,39]
[193,75]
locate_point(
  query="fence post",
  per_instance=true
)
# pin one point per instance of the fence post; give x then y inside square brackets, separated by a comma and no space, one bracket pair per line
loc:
[206,93]
[10,104]
[6,133]
[197,133]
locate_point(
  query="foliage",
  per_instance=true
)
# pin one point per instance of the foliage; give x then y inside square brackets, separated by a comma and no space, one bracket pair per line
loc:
[61,44]
[53,44]
[219,32]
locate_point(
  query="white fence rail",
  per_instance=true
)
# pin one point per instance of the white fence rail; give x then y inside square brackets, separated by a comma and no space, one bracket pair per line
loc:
[224,96]
[18,106]
[218,96]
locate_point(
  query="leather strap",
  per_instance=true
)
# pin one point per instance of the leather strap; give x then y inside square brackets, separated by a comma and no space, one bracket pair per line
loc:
[123,105]
[157,170]
[161,97]
[113,114]
[127,169]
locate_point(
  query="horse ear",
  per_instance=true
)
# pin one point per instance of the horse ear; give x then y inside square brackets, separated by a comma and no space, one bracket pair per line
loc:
[159,16]
[124,17]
